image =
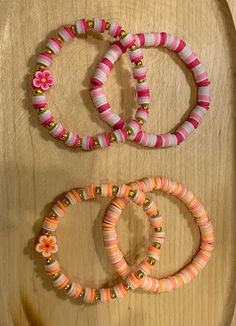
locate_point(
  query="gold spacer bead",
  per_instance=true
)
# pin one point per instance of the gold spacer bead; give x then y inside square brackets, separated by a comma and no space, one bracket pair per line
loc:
[73,28]
[133,47]
[49,260]
[156,214]
[113,295]
[90,24]
[112,138]
[64,137]
[97,295]
[48,51]
[132,193]
[157,245]
[107,25]
[138,63]
[145,106]
[53,214]
[159,229]
[127,287]
[45,232]
[141,80]
[140,121]
[37,92]
[114,189]
[65,202]
[129,132]
[122,33]
[95,143]
[40,66]
[59,38]
[98,190]
[80,192]
[81,293]
[51,125]
[67,287]
[139,274]
[147,201]
[151,261]
[55,276]
[41,110]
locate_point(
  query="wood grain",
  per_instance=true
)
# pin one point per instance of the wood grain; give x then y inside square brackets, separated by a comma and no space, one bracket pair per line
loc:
[35,169]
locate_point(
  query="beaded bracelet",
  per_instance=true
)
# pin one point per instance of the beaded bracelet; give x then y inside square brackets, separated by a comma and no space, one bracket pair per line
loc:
[200,75]
[197,211]
[47,243]
[43,80]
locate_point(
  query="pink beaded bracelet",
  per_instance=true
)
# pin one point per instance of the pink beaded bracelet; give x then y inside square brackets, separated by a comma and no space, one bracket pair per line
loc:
[47,243]
[43,80]
[200,75]
[197,211]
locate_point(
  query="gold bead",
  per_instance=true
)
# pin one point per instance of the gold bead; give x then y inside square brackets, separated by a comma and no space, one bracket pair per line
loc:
[48,51]
[133,47]
[45,232]
[81,293]
[159,229]
[128,131]
[107,25]
[140,121]
[112,138]
[90,24]
[113,295]
[145,106]
[141,80]
[65,202]
[132,193]
[127,287]
[151,261]
[73,28]
[48,260]
[40,66]
[97,295]
[139,274]
[138,63]
[157,245]
[67,287]
[95,143]
[53,214]
[51,125]
[114,189]
[122,33]
[156,214]
[64,137]
[147,201]
[55,276]
[59,38]
[80,192]
[41,110]
[98,190]
[37,92]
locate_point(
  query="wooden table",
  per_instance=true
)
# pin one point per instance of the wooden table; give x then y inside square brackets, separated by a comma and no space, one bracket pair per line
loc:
[35,169]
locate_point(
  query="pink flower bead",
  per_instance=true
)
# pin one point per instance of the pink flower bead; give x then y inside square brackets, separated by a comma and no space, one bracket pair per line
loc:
[43,80]
[47,245]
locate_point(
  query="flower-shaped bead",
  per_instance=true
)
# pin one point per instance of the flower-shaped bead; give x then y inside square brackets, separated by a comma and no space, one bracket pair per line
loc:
[47,245]
[43,80]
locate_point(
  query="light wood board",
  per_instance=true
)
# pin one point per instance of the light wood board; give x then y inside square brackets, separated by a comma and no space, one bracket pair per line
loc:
[35,169]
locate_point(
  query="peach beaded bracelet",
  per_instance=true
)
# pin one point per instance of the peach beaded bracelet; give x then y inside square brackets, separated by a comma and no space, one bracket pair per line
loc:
[201,218]
[47,243]
[43,80]
[200,75]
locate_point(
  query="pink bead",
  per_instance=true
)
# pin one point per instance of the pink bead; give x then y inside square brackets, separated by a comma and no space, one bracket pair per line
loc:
[139,73]
[72,140]
[99,25]
[54,45]
[103,140]
[127,41]
[66,34]
[87,143]
[121,135]
[81,26]
[39,101]
[114,30]
[58,131]
[45,59]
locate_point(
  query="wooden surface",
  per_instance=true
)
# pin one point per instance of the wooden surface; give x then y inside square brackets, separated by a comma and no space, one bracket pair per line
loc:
[35,169]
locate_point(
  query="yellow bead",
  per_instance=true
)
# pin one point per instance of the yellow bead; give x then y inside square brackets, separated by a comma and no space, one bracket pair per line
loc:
[157,245]
[139,274]
[107,26]
[40,66]
[159,229]
[151,261]
[132,193]
[90,24]
[122,33]
[49,260]
[51,125]
[141,81]
[114,189]
[133,47]
[37,92]
[138,63]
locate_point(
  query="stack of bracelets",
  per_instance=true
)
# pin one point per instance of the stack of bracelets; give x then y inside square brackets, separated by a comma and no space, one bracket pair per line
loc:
[122,195]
